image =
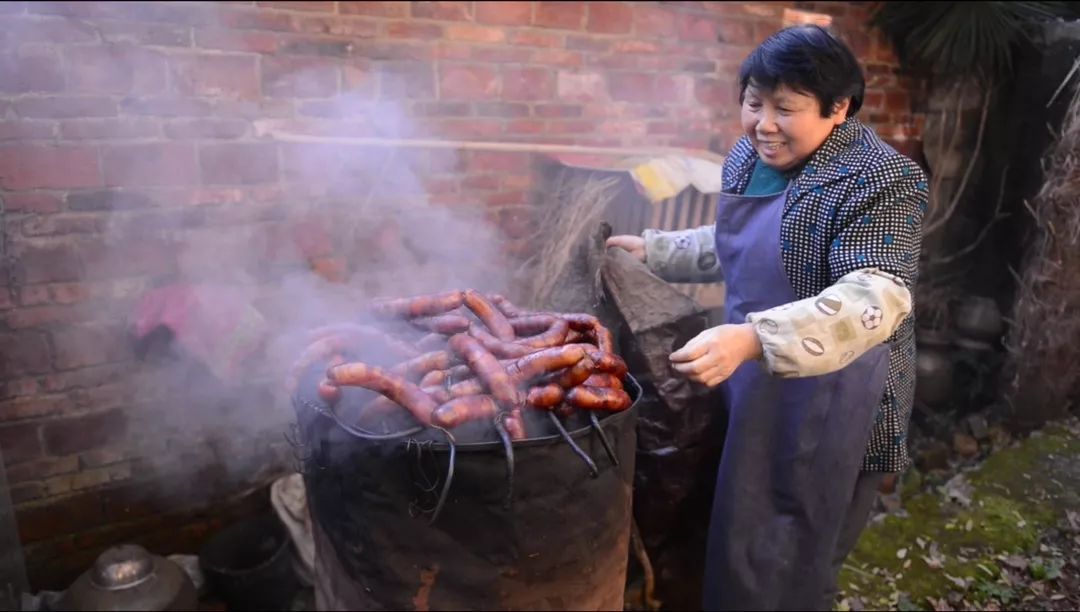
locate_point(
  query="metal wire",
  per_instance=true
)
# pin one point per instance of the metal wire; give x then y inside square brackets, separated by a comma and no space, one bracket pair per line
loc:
[508,446]
[356,431]
[577,449]
[603,438]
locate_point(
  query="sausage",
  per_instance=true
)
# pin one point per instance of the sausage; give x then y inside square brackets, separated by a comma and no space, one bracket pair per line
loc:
[506,306]
[461,409]
[418,366]
[471,386]
[515,424]
[496,346]
[329,392]
[598,398]
[491,316]
[546,397]
[437,393]
[565,410]
[608,362]
[358,335]
[396,388]
[540,331]
[433,378]
[575,337]
[320,350]
[544,361]
[587,323]
[487,368]
[431,342]
[446,324]
[575,375]
[603,379]
[419,306]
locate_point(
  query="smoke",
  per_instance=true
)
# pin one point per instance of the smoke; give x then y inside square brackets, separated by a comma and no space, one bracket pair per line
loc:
[346,224]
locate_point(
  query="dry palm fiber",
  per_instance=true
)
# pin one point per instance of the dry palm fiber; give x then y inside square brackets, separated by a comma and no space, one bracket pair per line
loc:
[1041,376]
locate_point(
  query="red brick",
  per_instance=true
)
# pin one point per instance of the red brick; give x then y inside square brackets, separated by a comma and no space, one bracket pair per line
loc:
[444,11]
[633,87]
[218,76]
[467,82]
[42,468]
[557,110]
[501,109]
[527,83]
[219,129]
[407,80]
[394,50]
[34,29]
[557,57]
[20,443]
[464,129]
[32,202]
[525,126]
[89,345]
[37,406]
[734,32]
[897,102]
[149,164]
[715,92]
[480,182]
[25,492]
[61,224]
[78,434]
[107,129]
[238,164]
[580,86]
[323,7]
[42,316]
[561,15]
[108,199]
[375,9]
[115,69]
[700,28]
[166,107]
[442,109]
[246,18]
[59,107]
[529,38]
[35,167]
[335,25]
[514,221]
[130,255]
[873,100]
[500,55]
[654,21]
[26,130]
[485,161]
[233,40]
[319,46]
[23,387]
[587,43]
[359,80]
[27,73]
[474,33]
[413,29]
[295,77]
[506,198]
[609,18]
[150,34]
[504,13]
[570,127]
[25,352]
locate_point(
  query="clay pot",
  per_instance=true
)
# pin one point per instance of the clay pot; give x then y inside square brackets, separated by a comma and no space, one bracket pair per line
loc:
[934,372]
[978,318]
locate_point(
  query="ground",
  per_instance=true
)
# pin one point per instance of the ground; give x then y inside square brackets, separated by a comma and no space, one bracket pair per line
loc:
[1000,534]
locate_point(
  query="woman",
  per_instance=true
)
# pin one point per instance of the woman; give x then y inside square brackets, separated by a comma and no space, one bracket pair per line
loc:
[817,236]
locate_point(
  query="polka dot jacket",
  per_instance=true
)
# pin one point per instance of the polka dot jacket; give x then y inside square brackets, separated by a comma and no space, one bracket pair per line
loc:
[856,204]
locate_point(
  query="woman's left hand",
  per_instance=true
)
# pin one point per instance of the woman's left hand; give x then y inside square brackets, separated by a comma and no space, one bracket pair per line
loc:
[712,356]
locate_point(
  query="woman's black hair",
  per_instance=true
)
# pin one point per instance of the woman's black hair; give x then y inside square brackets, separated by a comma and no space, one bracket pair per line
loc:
[810,60]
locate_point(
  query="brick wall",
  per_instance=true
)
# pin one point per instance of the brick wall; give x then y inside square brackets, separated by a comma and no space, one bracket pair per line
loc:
[131,154]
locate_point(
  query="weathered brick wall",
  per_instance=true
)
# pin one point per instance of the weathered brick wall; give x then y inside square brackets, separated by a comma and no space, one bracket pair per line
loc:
[131,155]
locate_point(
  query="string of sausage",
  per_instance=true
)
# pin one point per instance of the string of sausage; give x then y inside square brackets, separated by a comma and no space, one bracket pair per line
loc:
[545,360]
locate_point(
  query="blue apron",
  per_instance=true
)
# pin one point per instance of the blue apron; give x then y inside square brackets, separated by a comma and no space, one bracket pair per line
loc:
[793,447]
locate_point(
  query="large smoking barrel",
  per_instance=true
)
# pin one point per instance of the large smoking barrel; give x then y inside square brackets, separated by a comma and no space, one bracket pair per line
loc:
[559,541]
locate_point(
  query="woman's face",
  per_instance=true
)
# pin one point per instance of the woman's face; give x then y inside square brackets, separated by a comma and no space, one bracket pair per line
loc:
[786,126]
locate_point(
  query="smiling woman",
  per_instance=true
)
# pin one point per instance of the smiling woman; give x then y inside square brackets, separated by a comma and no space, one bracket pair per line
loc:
[817,237]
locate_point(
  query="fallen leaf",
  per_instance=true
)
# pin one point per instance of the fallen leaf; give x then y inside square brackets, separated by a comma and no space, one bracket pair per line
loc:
[960,582]
[969,525]
[1016,561]
[907,564]
[921,542]
[900,554]
[1057,597]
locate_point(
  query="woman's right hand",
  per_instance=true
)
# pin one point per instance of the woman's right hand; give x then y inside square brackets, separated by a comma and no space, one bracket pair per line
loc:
[635,245]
